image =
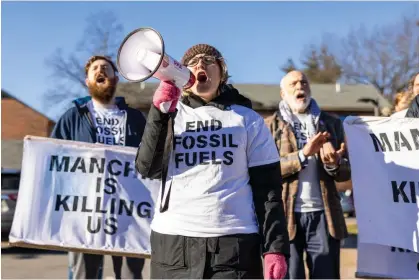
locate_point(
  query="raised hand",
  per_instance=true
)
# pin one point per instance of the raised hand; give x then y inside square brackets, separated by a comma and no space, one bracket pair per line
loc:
[314,144]
[330,156]
[166,96]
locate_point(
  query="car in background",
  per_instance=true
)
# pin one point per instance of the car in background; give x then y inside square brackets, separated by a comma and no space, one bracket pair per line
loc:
[347,203]
[10,179]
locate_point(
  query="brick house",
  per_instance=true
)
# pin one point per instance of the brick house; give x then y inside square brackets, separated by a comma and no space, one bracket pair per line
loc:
[18,120]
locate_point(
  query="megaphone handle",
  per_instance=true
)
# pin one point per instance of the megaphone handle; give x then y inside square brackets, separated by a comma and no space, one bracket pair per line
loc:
[166,97]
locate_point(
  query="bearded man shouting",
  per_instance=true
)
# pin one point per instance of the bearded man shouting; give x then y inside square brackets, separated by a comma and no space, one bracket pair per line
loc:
[103,118]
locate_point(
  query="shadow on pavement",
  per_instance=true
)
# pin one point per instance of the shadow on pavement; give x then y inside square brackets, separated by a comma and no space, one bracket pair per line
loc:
[350,242]
[28,253]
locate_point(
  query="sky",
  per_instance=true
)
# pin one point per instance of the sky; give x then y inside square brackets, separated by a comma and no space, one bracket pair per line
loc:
[255,38]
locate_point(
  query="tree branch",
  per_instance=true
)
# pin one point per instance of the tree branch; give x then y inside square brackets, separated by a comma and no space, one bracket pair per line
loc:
[101,36]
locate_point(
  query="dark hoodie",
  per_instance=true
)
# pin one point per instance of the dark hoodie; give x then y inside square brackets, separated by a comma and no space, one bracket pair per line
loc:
[153,157]
[228,96]
[413,111]
[76,124]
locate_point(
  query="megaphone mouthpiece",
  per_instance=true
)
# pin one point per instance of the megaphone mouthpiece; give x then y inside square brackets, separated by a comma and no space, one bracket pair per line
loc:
[148,58]
[142,56]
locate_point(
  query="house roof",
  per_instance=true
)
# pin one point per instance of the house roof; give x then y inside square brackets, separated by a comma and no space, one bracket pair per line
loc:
[11,153]
[267,97]
[7,95]
[264,97]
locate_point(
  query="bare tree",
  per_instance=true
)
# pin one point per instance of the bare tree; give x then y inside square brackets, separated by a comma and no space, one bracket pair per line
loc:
[385,57]
[320,65]
[102,36]
[288,66]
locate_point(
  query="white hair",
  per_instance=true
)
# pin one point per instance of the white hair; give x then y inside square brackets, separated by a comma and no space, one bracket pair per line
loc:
[282,83]
[289,98]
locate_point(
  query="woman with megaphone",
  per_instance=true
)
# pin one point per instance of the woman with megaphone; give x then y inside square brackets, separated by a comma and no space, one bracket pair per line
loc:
[220,206]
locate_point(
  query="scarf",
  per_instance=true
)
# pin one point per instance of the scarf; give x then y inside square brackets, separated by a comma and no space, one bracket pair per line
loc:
[313,110]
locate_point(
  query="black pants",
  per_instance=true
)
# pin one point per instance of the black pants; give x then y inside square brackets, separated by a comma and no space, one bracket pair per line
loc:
[90,266]
[323,251]
[227,257]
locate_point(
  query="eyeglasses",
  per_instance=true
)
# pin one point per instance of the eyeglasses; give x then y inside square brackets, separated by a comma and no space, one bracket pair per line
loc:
[206,59]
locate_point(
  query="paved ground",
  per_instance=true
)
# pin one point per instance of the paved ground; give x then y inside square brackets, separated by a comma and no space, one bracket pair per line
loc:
[21,263]
[348,257]
[29,264]
[26,263]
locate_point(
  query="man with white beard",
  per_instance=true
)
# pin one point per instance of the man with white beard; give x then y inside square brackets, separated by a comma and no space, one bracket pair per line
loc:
[311,144]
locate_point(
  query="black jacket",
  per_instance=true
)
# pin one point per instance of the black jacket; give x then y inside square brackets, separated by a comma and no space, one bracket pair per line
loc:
[153,156]
[413,111]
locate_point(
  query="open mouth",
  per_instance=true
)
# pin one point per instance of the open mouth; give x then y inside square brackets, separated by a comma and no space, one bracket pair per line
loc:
[202,77]
[101,79]
[301,96]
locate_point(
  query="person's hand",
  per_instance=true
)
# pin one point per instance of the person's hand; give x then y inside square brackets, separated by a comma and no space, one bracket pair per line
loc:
[314,144]
[275,266]
[330,156]
[166,96]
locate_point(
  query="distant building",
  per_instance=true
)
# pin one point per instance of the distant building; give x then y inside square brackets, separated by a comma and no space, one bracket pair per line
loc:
[342,100]
[18,120]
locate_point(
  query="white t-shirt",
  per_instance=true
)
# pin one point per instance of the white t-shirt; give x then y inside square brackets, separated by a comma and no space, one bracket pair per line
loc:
[309,196]
[109,123]
[208,169]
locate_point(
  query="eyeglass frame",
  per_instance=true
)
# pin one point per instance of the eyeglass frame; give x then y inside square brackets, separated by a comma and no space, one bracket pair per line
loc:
[202,58]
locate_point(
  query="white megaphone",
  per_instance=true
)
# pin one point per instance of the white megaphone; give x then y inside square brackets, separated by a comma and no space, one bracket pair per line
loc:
[141,56]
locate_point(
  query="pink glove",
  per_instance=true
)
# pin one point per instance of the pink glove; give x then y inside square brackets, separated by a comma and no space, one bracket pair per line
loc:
[166,97]
[275,266]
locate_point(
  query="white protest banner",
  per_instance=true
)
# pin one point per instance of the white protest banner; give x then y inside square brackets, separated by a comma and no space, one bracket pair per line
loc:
[83,197]
[378,261]
[384,156]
